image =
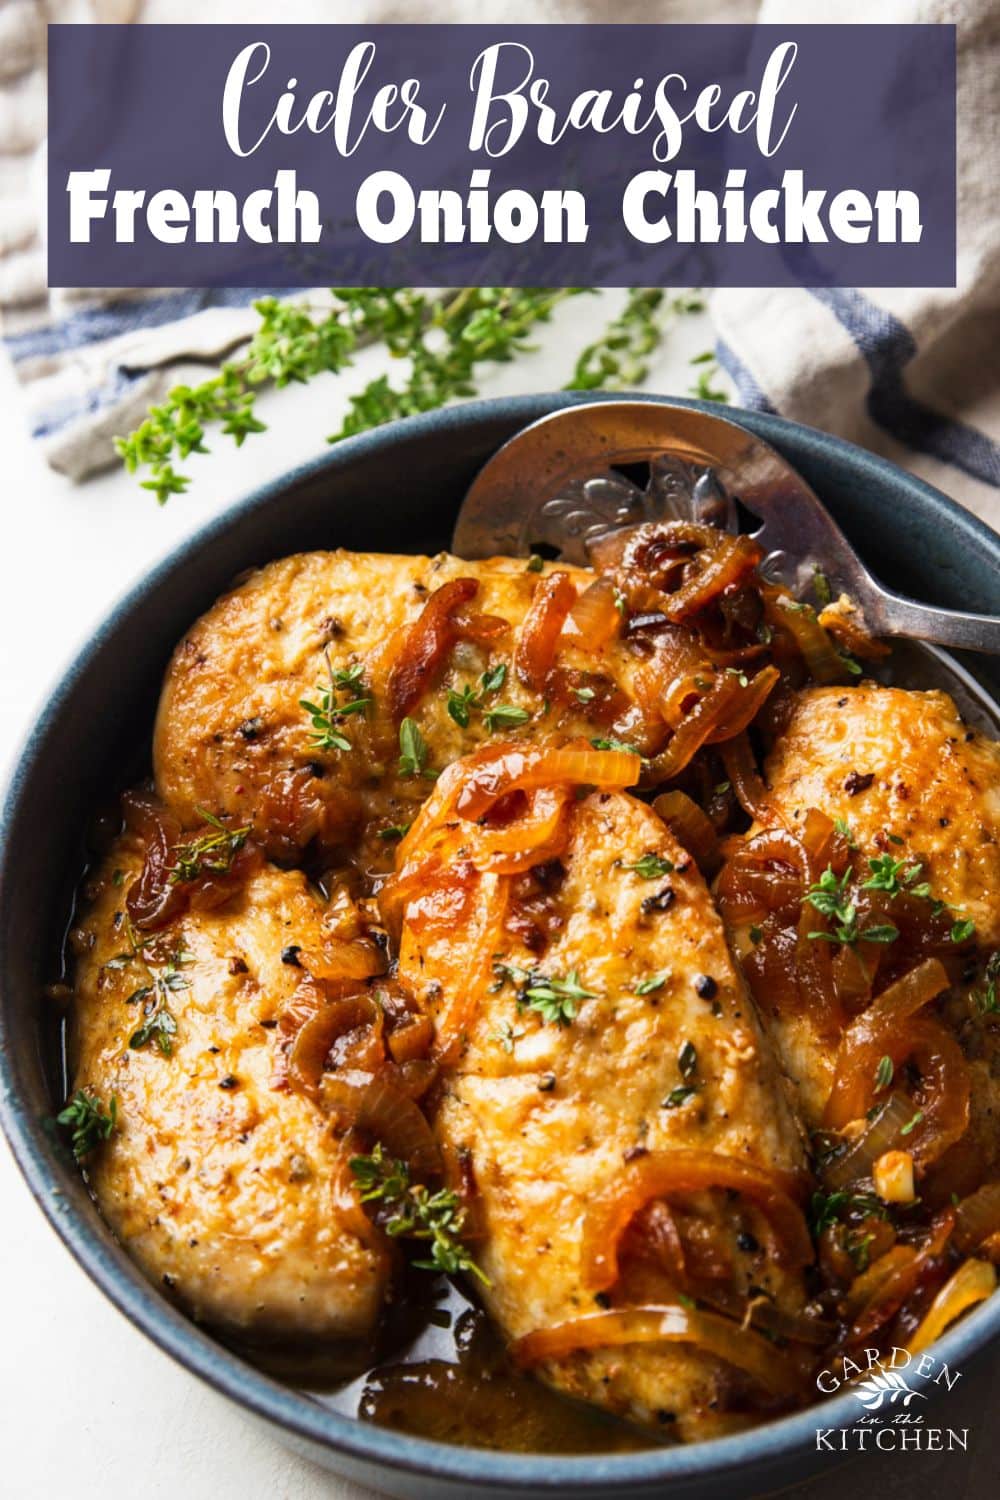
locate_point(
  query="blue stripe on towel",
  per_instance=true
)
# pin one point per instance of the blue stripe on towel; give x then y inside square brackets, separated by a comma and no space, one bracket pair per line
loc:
[71,409]
[747,389]
[888,346]
[92,325]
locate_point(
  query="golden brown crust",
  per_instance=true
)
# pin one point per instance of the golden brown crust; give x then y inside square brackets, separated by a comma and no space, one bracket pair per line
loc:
[551,1114]
[219,1185]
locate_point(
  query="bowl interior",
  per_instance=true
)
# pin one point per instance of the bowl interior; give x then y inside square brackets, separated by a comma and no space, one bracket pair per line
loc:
[394,490]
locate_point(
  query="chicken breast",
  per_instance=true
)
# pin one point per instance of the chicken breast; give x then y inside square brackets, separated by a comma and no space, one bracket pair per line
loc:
[215,1181]
[662,1055]
[903,773]
[232,734]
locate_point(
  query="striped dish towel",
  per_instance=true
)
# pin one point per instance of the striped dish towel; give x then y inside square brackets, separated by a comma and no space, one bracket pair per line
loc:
[912,375]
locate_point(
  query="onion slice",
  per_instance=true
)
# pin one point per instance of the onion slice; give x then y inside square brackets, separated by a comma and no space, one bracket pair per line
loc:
[877,1032]
[657,1325]
[662,1173]
[973,1282]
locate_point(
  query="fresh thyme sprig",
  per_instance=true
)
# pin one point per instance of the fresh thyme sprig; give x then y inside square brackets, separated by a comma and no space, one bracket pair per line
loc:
[327,713]
[89,1122]
[413,750]
[651,867]
[831,897]
[446,338]
[708,372]
[986,1000]
[159,1023]
[555,1000]
[414,1212]
[463,703]
[212,853]
[619,359]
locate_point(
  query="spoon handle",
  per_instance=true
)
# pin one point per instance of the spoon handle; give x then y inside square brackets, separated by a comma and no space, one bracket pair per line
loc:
[944,627]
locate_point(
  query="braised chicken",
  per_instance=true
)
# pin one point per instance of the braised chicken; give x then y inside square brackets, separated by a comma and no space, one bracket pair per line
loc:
[329,629]
[411,957]
[219,1183]
[596,1037]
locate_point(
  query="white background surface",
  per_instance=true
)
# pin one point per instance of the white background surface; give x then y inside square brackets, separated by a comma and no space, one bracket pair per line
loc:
[88,1408]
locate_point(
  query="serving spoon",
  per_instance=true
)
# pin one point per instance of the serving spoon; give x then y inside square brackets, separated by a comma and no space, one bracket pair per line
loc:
[563,482]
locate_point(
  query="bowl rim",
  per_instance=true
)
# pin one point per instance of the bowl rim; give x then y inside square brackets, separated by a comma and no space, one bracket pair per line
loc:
[298,1413]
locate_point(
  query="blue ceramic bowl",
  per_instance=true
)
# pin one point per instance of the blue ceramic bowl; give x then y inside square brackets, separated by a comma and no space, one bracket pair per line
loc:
[396,489]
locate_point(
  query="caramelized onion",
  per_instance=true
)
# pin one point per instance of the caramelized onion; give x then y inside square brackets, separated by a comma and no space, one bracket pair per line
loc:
[316,1036]
[539,835]
[691,827]
[877,1033]
[843,621]
[491,909]
[730,560]
[595,618]
[879,1293]
[880,1135]
[390,1116]
[411,1040]
[746,780]
[760,1312]
[152,899]
[973,1282]
[471,786]
[551,603]
[662,1173]
[723,710]
[425,645]
[977,1217]
[823,660]
[657,1325]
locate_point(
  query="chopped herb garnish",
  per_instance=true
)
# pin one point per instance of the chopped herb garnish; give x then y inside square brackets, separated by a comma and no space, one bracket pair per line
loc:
[213,853]
[585,694]
[844,829]
[460,706]
[462,703]
[505,1036]
[414,1212]
[651,867]
[159,1026]
[89,1121]
[605,744]
[652,982]
[504,716]
[986,1001]
[912,1123]
[413,751]
[326,713]
[555,1000]
[821,588]
[963,931]
[830,897]
[679,1096]
[687,1061]
[883,1073]
[858,1247]
[892,875]
[394,834]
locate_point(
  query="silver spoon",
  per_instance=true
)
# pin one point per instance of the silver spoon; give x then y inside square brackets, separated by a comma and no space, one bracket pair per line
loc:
[556,484]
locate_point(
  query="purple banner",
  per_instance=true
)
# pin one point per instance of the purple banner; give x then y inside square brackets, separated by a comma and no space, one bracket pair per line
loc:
[287,156]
